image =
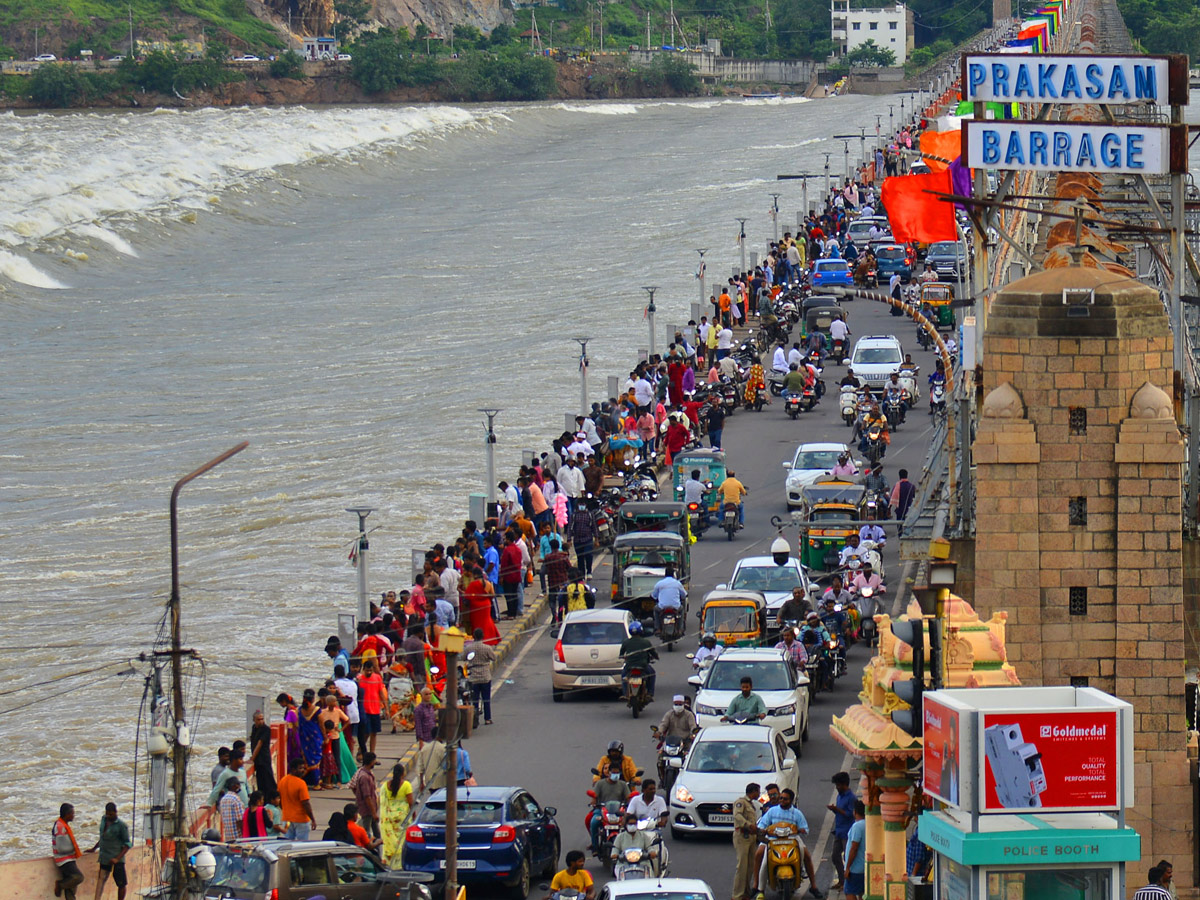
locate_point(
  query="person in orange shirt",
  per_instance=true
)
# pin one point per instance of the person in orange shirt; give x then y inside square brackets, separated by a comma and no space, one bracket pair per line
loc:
[361,838]
[726,304]
[294,803]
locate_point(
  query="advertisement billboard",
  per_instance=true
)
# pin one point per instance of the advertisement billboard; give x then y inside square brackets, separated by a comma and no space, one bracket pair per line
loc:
[941,751]
[1053,761]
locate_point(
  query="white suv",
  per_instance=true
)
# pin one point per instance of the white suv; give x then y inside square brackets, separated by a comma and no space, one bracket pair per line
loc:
[783,690]
[875,358]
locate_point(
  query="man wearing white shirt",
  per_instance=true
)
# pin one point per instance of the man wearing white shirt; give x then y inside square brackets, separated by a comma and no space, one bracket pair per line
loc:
[588,427]
[779,362]
[570,481]
[648,805]
[839,331]
[580,446]
[643,393]
[724,342]
[795,357]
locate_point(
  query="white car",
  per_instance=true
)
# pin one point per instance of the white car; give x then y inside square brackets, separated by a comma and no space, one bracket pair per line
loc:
[45,57]
[783,690]
[344,57]
[657,889]
[860,229]
[773,581]
[809,463]
[587,652]
[875,358]
[716,770]
[246,58]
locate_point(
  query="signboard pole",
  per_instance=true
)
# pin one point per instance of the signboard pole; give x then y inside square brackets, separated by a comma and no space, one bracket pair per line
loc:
[1177,261]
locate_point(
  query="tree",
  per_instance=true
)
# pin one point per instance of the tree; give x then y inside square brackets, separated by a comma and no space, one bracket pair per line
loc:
[57,85]
[216,50]
[288,65]
[870,56]
[502,34]
[377,64]
[358,11]
[158,72]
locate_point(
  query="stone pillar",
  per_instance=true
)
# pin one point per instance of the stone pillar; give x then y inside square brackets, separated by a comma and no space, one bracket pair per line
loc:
[1149,608]
[893,806]
[872,772]
[1007,454]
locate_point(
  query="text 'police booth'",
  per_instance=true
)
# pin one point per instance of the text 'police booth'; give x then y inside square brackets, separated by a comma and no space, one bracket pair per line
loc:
[1035,782]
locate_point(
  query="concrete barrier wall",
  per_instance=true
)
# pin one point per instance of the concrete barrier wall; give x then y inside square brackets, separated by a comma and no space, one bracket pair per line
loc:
[34,878]
[726,68]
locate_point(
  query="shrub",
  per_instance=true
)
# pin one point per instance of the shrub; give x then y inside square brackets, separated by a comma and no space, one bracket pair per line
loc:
[288,65]
[57,85]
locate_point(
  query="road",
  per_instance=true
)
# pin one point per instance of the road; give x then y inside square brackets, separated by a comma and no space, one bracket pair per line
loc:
[549,748]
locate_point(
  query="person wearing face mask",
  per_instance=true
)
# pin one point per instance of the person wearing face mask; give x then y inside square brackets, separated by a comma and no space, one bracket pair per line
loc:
[679,721]
[630,837]
[611,788]
[616,760]
[648,805]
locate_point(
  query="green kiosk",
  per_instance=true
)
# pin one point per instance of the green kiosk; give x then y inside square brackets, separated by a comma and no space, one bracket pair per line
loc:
[1033,784]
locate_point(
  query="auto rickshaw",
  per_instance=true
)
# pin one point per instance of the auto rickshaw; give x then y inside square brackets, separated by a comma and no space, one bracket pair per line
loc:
[737,618]
[819,318]
[652,516]
[936,298]
[830,511]
[639,562]
[711,464]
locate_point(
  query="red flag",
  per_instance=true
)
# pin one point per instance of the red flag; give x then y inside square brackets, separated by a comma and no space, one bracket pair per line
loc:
[916,215]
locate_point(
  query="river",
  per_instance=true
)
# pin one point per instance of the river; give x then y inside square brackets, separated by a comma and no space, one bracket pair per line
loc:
[342,287]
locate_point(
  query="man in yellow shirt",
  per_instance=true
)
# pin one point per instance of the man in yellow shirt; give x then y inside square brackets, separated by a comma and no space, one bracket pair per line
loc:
[733,491]
[575,876]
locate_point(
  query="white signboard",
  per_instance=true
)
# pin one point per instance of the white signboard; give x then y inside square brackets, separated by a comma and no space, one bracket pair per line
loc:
[1062,147]
[1070,79]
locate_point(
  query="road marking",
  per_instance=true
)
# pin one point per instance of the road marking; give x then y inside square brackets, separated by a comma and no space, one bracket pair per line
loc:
[533,637]
[830,818]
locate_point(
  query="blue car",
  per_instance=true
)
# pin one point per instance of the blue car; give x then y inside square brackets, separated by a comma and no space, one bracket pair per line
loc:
[827,272]
[504,836]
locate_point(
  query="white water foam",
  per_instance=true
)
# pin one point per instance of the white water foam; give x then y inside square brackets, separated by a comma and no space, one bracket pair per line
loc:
[18,268]
[599,109]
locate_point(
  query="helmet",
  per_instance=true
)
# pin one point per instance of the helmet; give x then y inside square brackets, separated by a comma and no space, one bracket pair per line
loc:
[708,636]
[635,627]
[616,745]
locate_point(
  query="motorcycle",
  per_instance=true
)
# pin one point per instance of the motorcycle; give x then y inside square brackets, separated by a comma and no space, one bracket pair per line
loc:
[848,401]
[838,353]
[729,519]
[868,604]
[876,445]
[610,826]
[637,696]
[820,664]
[791,405]
[783,859]
[937,399]
[893,411]
[673,628]
[731,397]
[811,395]
[671,751]
[875,507]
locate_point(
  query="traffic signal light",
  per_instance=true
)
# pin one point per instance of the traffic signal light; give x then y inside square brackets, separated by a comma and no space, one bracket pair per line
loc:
[912,632]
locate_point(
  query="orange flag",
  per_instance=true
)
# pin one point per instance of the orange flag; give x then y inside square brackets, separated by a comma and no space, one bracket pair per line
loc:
[940,145]
[916,215]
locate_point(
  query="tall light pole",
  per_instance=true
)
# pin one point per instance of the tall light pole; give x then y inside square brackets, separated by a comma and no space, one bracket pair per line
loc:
[827,155]
[364,607]
[650,310]
[700,275]
[846,139]
[489,444]
[775,213]
[181,746]
[742,239]
[878,126]
[891,120]
[583,366]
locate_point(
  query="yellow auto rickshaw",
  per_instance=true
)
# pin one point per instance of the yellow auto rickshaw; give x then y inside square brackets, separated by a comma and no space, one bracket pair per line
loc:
[830,511]
[936,298]
[737,618]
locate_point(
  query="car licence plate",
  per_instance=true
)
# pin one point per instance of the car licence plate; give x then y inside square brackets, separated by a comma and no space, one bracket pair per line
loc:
[720,819]
[462,863]
[595,679]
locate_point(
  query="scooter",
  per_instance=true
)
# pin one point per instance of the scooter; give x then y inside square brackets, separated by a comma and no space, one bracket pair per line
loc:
[937,399]
[908,383]
[876,446]
[671,751]
[672,628]
[636,694]
[635,863]
[848,400]
[729,519]
[783,859]
[775,383]
[792,404]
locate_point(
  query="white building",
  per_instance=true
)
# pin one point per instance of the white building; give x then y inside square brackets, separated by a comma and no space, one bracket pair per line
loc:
[890,28]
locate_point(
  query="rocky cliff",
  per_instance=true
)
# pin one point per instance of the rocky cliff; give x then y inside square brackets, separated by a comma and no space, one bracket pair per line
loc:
[441,16]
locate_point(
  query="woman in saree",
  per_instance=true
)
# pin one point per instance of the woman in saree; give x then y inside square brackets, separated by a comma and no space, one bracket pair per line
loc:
[477,606]
[312,738]
[395,805]
[756,381]
[291,718]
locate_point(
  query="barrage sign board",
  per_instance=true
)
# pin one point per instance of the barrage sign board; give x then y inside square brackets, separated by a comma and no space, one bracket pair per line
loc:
[1060,761]
[1099,147]
[1100,80]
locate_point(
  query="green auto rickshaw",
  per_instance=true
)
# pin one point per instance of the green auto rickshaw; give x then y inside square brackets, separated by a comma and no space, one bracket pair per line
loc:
[830,511]
[936,298]
[711,464]
[639,562]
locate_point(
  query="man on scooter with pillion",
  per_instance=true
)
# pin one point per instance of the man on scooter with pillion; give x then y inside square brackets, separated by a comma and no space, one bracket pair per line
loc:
[836,592]
[786,811]
[610,788]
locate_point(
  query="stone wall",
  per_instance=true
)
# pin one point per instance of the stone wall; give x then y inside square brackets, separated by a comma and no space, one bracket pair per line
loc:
[744,71]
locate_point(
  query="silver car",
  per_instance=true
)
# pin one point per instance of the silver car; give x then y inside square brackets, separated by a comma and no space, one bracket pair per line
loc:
[587,654]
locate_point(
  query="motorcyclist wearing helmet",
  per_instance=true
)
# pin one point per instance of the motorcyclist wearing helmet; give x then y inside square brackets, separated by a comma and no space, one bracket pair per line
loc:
[615,760]
[637,651]
[709,649]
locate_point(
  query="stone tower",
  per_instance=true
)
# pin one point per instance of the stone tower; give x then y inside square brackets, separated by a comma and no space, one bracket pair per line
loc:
[1078,530]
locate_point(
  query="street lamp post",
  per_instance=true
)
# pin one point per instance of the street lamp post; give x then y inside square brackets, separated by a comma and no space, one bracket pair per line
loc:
[827,155]
[742,240]
[364,608]
[650,310]
[489,443]
[775,213]
[583,364]
[700,275]
[891,120]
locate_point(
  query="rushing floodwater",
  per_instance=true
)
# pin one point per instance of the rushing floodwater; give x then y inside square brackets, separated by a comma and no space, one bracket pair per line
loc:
[342,288]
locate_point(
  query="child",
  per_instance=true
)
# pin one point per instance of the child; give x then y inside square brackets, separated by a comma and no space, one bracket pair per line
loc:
[329,772]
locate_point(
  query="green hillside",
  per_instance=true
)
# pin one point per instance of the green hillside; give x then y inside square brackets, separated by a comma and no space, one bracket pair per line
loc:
[64,27]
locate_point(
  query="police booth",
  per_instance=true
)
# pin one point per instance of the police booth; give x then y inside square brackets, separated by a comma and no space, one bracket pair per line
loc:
[1032,784]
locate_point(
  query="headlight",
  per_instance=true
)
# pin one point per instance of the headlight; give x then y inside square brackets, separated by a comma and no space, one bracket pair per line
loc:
[683,795]
[702,710]
[633,854]
[789,710]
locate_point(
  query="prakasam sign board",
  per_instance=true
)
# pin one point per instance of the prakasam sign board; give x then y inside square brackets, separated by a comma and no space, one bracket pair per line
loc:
[1099,147]
[1100,80]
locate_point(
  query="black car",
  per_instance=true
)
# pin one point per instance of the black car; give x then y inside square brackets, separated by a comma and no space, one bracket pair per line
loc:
[948,260]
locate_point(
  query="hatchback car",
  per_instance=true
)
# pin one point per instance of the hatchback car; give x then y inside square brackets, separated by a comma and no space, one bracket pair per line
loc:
[828,272]
[587,654]
[875,358]
[504,837]
[45,57]
[774,582]
[783,690]
[810,462]
[292,870]
[894,259]
[715,773]
[860,229]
